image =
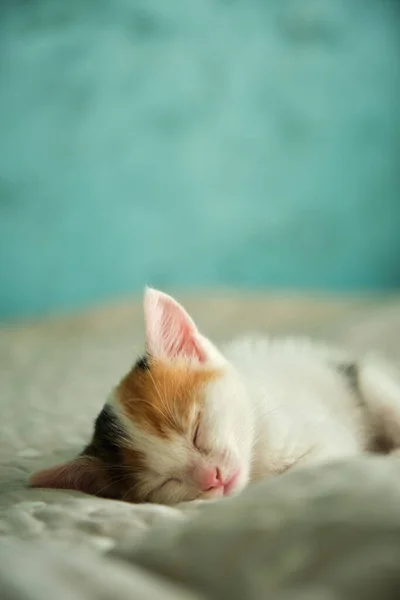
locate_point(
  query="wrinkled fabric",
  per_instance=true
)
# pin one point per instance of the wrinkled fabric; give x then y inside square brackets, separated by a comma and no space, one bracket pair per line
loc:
[321,533]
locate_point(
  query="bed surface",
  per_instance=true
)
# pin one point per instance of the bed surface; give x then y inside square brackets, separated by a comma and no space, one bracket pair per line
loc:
[311,533]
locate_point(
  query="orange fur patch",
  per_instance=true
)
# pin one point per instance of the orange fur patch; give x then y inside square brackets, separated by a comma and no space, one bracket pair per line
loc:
[164,398]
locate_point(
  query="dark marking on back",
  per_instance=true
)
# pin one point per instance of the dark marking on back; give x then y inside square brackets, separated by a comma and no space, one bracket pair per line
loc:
[350,373]
[379,443]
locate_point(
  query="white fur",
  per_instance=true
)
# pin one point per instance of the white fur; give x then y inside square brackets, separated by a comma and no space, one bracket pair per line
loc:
[303,407]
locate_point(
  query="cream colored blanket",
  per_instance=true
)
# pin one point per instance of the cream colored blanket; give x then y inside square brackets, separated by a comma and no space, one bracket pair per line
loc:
[313,533]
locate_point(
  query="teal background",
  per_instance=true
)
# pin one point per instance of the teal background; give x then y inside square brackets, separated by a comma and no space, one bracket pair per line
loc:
[196,144]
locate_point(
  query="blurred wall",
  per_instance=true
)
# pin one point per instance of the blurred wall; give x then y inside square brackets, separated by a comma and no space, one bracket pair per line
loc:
[196,143]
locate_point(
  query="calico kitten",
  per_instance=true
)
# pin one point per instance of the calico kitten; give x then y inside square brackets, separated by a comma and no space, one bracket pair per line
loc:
[190,421]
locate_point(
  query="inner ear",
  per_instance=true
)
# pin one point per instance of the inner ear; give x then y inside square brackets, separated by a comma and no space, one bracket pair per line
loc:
[83,474]
[170,331]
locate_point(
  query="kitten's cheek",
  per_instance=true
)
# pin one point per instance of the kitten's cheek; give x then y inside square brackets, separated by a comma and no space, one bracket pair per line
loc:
[212,494]
[238,485]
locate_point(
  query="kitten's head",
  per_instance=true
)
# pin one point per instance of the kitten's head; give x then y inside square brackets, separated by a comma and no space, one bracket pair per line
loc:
[177,427]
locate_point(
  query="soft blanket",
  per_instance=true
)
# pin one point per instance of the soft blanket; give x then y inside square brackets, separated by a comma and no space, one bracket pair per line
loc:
[321,533]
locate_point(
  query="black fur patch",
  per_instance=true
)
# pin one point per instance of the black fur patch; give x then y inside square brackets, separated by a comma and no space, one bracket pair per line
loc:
[107,432]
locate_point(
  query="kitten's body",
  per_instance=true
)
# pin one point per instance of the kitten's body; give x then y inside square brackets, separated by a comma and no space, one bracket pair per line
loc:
[190,421]
[306,407]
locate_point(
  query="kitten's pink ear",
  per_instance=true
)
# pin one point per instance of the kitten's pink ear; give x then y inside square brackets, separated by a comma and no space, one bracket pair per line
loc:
[83,474]
[170,332]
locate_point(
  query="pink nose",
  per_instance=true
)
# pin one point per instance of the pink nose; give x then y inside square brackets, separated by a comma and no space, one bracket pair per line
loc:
[208,478]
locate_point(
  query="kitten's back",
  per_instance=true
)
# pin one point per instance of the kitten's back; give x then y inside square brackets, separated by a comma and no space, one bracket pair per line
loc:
[304,399]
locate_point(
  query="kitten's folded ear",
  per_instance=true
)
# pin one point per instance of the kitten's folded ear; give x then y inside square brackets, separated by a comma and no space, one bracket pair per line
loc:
[83,474]
[170,332]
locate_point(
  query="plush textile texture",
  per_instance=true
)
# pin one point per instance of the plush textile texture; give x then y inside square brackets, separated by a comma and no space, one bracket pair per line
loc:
[312,533]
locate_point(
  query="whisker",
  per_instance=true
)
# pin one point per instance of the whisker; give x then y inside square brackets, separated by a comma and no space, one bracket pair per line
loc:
[129,490]
[113,482]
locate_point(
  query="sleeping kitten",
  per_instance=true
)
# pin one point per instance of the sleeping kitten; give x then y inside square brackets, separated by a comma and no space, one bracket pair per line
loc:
[191,421]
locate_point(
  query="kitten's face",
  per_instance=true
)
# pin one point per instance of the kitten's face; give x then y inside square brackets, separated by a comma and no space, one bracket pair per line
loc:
[176,428]
[181,433]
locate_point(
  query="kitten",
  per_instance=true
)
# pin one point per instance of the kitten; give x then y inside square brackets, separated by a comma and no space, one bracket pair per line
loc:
[190,421]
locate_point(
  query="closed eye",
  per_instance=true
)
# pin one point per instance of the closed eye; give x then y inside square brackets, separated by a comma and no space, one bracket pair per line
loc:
[160,487]
[196,435]
[170,480]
